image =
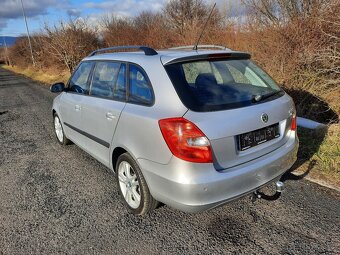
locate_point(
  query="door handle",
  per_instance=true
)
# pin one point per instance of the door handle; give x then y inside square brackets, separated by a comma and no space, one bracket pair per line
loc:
[110,116]
[77,107]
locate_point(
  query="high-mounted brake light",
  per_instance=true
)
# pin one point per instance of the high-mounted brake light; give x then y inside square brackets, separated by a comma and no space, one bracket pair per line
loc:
[293,126]
[220,55]
[185,140]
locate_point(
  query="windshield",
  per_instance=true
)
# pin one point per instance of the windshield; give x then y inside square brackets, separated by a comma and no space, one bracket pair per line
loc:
[210,85]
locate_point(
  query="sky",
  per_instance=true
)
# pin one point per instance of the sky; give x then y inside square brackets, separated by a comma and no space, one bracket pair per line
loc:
[39,12]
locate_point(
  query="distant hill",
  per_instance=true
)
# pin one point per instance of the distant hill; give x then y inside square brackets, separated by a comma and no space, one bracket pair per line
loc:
[10,40]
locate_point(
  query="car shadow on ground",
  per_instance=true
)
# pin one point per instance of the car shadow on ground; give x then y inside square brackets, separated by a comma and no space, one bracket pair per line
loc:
[311,107]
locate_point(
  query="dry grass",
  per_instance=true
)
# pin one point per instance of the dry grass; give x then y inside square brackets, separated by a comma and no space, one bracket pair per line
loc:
[47,77]
[328,154]
[321,149]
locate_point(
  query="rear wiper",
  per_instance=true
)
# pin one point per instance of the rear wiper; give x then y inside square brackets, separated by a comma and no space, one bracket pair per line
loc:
[258,98]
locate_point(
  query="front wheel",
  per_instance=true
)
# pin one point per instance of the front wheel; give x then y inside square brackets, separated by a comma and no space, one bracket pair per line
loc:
[132,186]
[59,131]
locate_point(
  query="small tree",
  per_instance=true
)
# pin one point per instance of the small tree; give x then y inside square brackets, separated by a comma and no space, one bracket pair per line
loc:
[118,31]
[69,42]
[153,30]
[20,54]
[187,17]
[278,12]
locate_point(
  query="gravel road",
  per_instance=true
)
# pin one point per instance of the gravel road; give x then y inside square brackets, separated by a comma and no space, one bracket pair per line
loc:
[59,200]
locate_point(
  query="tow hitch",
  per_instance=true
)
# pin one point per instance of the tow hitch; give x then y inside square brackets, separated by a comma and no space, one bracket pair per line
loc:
[279,187]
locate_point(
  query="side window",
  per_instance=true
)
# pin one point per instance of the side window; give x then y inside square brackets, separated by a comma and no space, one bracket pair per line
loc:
[79,80]
[104,78]
[140,87]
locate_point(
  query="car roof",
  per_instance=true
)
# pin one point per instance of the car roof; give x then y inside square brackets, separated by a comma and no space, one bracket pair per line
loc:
[165,56]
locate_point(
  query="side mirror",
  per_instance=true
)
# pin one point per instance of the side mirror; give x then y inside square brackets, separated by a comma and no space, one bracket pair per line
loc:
[57,87]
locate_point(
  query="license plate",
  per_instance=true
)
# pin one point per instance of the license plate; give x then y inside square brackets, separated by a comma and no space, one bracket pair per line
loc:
[256,137]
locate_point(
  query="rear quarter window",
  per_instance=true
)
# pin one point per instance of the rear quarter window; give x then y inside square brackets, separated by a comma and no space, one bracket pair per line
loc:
[140,89]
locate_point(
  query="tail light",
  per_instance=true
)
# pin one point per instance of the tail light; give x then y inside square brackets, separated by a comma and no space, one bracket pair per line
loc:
[293,126]
[185,140]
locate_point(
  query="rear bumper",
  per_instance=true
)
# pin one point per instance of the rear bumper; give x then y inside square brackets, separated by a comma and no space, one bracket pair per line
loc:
[193,187]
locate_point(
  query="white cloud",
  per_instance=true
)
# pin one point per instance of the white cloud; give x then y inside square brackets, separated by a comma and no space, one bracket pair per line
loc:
[74,12]
[11,9]
[127,7]
[2,23]
[231,8]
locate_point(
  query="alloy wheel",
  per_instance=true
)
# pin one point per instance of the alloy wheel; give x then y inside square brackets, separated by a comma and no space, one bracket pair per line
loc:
[58,129]
[129,184]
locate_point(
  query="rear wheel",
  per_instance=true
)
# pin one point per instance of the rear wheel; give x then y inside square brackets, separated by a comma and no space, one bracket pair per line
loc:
[59,131]
[132,186]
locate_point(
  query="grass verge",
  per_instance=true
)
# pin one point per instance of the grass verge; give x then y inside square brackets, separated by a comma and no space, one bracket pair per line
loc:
[44,76]
[320,153]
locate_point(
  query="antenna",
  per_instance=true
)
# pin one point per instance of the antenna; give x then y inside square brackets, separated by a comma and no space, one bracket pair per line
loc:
[205,25]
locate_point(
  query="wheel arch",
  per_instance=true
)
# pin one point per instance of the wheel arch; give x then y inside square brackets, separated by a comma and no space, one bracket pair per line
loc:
[115,155]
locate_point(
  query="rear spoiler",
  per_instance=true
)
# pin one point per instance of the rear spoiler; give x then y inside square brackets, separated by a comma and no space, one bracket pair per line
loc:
[212,56]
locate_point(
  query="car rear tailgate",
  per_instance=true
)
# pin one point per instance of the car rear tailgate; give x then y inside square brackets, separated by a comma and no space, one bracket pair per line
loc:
[223,128]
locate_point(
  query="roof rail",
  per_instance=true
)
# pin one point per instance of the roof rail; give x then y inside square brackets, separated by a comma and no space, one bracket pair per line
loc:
[147,50]
[192,47]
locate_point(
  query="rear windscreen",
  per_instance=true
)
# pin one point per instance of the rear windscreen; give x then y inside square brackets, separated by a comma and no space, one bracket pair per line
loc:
[211,85]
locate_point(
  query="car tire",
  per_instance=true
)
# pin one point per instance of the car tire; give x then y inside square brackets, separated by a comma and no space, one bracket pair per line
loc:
[132,186]
[59,131]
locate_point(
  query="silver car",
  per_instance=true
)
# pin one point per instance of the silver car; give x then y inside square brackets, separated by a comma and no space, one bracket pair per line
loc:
[192,129]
